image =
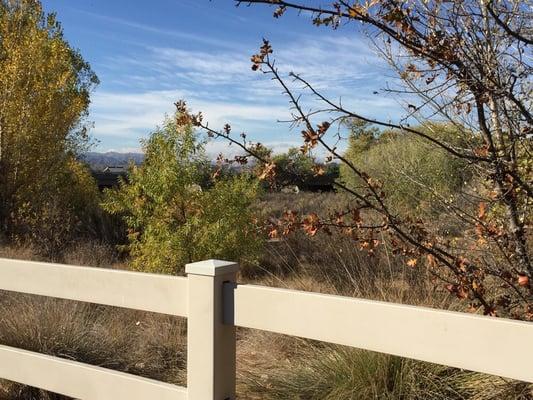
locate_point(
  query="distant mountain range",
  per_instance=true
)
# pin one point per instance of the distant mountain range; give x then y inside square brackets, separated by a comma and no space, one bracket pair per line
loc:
[98,161]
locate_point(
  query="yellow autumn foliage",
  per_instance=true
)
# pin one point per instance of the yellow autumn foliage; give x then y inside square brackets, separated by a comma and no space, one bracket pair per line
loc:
[44,98]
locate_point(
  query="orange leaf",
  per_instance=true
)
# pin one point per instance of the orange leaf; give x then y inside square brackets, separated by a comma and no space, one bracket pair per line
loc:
[412,262]
[319,171]
[482,151]
[462,293]
[461,263]
[482,210]
[356,11]
[523,280]
[310,224]
[269,171]
[479,230]
[273,234]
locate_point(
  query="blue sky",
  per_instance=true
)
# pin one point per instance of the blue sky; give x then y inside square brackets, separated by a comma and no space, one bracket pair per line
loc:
[150,54]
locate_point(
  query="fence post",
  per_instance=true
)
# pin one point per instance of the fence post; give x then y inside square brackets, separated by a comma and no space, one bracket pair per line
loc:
[210,343]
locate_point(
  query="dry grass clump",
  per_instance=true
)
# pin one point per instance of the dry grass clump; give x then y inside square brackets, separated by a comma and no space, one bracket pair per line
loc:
[335,373]
[274,204]
[92,254]
[21,252]
[343,269]
[326,372]
[140,343]
[87,253]
[334,258]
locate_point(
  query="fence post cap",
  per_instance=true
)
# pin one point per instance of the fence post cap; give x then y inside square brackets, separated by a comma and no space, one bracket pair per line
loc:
[211,267]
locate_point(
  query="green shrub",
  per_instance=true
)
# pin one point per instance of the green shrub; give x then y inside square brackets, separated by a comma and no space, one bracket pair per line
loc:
[417,177]
[65,210]
[171,219]
[293,167]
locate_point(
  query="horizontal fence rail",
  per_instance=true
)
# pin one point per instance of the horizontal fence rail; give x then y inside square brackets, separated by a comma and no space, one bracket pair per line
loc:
[484,344]
[215,305]
[81,381]
[140,291]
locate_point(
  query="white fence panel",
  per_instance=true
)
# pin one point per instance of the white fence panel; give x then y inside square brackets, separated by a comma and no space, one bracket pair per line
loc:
[81,381]
[491,345]
[148,292]
[215,305]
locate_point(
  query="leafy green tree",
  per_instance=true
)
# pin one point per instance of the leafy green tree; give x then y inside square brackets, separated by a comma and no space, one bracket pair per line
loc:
[362,137]
[171,219]
[293,167]
[44,97]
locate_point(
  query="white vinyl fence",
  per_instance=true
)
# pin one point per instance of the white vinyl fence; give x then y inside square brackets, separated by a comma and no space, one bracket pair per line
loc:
[215,305]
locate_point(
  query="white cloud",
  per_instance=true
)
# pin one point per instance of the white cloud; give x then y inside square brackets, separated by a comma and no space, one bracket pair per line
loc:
[221,84]
[119,115]
[219,146]
[126,150]
[339,63]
